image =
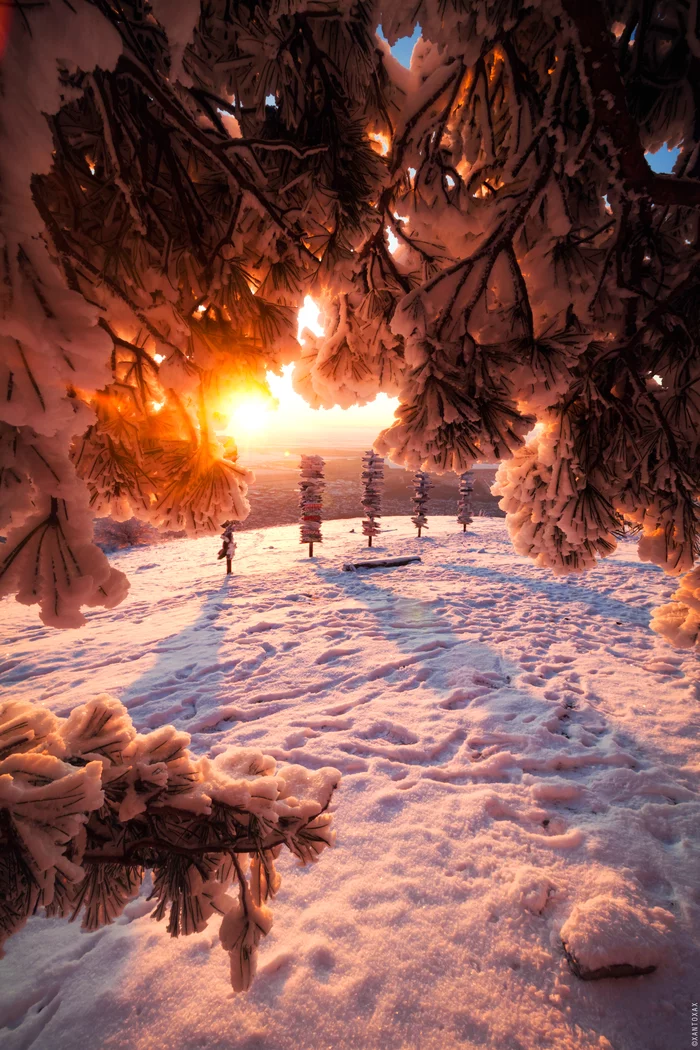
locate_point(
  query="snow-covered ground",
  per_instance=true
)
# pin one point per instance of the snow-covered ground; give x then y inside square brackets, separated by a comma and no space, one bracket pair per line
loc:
[520,764]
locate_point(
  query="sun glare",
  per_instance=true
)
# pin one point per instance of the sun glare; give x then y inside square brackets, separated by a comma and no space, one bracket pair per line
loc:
[249,416]
[380,143]
[309,315]
[256,421]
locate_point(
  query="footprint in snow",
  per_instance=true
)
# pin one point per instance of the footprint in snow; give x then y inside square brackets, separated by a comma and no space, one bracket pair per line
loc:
[391,731]
[331,655]
[463,697]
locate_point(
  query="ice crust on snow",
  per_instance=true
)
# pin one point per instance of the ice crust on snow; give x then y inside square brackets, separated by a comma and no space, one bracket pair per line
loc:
[520,768]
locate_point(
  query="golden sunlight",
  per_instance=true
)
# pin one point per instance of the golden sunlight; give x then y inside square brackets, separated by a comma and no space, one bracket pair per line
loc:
[257,422]
[294,422]
[249,416]
[380,142]
[309,315]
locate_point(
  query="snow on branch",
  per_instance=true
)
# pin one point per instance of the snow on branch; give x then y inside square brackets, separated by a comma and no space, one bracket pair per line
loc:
[679,620]
[88,805]
[153,254]
[48,561]
[611,107]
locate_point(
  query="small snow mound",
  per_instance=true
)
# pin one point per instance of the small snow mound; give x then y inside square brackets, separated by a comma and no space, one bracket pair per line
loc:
[609,936]
[532,890]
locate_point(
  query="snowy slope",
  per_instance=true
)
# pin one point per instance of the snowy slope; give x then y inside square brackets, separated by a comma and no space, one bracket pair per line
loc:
[519,757]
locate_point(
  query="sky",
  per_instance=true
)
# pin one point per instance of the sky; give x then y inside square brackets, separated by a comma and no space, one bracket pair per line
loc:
[257,424]
[402,48]
[663,160]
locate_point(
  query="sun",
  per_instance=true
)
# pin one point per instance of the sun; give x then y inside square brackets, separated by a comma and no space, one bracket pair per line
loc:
[249,416]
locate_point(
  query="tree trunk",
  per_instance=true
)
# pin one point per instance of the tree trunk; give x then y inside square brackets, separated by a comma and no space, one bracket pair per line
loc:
[228,567]
[369,541]
[311,550]
[419,532]
[464,528]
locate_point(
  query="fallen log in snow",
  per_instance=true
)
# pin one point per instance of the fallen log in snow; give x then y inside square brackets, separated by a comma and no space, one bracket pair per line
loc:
[379,563]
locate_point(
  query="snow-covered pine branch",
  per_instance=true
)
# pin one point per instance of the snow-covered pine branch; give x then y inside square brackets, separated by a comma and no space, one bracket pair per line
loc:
[153,254]
[420,499]
[464,503]
[311,486]
[679,620]
[372,485]
[88,805]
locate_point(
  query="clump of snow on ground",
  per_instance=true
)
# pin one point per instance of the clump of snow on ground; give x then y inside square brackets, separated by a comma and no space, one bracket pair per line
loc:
[520,767]
[606,931]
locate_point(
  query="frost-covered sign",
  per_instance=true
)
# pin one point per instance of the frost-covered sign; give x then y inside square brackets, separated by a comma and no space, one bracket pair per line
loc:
[372,485]
[228,544]
[419,499]
[464,505]
[311,486]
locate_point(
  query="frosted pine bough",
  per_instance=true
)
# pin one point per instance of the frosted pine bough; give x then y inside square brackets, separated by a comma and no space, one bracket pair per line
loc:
[483,233]
[88,805]
[373,483]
